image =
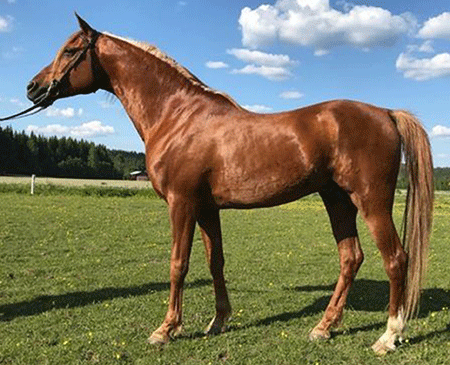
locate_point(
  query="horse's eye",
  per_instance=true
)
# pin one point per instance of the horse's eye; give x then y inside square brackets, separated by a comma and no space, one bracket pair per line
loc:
[70,52]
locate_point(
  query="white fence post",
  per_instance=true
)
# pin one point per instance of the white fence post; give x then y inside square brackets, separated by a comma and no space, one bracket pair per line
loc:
[33,182]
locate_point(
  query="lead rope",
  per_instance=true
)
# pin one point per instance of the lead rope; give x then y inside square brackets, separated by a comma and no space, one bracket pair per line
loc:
[43,104]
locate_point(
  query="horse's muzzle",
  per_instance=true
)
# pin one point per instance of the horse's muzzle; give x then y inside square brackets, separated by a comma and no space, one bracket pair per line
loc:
[36,92]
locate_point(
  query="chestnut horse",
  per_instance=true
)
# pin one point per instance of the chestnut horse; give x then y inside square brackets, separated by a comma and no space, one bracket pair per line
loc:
[205,153]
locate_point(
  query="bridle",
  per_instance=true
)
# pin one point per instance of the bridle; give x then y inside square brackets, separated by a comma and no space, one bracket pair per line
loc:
[54,89]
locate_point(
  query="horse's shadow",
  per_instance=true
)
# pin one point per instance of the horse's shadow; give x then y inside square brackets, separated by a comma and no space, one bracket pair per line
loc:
[366,295]
[373,296]
[47,303]
[369,296]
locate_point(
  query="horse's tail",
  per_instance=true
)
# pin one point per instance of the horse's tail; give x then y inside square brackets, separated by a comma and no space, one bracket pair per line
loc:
[418,214]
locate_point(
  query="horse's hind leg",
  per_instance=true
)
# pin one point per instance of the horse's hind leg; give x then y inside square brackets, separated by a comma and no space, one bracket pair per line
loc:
[395,262]
[209,222]
[342,213]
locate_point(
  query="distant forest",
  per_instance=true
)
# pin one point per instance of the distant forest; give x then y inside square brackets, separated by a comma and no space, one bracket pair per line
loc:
[23,154]
[441,178]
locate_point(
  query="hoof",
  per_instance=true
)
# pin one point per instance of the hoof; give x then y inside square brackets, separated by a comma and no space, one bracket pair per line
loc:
[161,337]
[216,326]
[158,339]
[319,335]
[382,348]
[394,333]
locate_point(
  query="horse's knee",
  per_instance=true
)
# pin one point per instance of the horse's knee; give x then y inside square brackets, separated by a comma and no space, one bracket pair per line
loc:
[178,269]
[351,263]
[397,265]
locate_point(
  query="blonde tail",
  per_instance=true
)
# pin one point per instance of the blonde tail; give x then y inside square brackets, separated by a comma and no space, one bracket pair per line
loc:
[419,204]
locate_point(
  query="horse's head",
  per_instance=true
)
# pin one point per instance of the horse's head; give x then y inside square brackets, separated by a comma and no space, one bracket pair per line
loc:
[73,71]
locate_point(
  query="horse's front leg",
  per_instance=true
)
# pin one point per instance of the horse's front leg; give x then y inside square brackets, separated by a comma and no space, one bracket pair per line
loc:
[209,222]
[182,217]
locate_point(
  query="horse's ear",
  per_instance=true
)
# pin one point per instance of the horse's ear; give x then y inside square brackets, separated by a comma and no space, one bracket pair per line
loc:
[85,27]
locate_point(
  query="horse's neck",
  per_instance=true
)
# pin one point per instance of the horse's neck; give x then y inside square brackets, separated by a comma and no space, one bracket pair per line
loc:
[150,91]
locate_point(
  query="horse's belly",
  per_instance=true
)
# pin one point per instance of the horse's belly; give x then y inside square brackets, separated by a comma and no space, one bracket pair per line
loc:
[264,191]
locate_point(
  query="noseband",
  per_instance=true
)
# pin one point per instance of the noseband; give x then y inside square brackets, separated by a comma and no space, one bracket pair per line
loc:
[54,89]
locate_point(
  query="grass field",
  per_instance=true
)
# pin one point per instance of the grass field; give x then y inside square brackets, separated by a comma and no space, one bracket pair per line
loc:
[84,280]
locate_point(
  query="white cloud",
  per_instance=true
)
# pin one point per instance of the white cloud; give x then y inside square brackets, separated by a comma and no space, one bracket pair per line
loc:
[321,52]
[91,129]
[262,58]
[316,24]
[271,73]
[52,129]
[440,131]
[258,108]
[216,64]
[425,47]
[422,69]
[259,26]
[17,102]
[6,23]
[65,113]
[437,27]
[291,94]
[275,67]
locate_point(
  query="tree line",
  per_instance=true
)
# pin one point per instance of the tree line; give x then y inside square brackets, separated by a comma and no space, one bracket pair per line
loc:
[27,154]
[441,178]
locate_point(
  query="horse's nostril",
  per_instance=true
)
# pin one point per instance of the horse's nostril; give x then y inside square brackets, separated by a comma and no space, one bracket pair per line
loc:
[32,86]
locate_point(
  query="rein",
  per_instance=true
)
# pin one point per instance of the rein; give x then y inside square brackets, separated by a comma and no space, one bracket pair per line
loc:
[41,105]
[55,87]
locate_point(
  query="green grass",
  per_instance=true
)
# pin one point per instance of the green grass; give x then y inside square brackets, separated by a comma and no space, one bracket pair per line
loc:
[80,190]
[84,280]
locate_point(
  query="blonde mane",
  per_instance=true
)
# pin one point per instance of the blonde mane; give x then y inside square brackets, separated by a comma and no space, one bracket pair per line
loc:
[188,75]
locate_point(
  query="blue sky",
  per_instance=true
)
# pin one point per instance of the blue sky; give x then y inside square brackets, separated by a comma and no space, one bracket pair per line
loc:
[268,55]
